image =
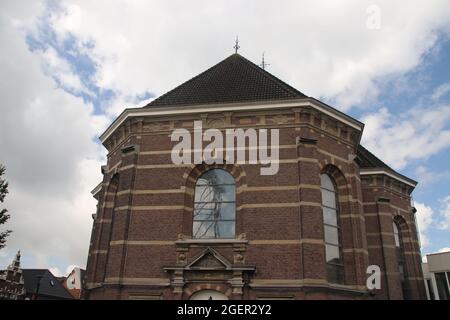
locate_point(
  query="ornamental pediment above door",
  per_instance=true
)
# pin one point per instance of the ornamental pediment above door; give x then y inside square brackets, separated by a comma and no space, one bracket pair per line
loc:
[209,259]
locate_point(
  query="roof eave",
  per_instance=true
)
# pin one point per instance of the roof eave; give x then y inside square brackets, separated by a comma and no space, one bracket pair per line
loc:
[224,107]
[97,189]
[389,173]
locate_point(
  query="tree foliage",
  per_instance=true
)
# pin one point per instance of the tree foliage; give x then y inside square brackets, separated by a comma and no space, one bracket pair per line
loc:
[4,216]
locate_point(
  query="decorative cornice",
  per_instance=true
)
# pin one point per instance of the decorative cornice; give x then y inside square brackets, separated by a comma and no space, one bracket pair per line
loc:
[391,174]
[229,107]
[97,189]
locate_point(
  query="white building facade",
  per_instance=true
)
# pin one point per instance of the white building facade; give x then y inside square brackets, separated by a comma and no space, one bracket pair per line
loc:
[436,272]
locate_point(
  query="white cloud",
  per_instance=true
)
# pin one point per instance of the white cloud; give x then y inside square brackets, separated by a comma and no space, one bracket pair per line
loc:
[428,177]
[446,249]
[60,69]
[440,91]
[415,134]
[4,253]
[424,217]
[47,145]
[324,48]
[445,213]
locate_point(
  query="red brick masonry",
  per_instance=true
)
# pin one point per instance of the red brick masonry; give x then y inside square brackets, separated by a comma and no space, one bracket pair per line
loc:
[141,246]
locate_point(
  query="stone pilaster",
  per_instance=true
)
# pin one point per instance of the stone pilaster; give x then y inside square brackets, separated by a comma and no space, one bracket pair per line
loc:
[312,235]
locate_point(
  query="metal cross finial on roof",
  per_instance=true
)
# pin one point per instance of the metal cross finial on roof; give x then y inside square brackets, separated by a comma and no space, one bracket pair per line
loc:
[236,46]
[263,62]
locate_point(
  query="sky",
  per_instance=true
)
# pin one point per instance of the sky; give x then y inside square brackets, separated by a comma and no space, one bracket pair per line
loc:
[68,68]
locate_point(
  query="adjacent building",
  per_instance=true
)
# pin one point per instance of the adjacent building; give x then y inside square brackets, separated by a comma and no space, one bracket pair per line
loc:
[41,284]
[436,272]
[12,282]
[74,282]
[223,230]
[38,284]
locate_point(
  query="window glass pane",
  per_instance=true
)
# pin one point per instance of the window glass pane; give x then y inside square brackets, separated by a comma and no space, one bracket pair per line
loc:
[206,193]
[214,211]
[216,176]
[442,286]
[205,205]
[203,194]
[326,183]
[207,211]
[328,198]
[211,229]
[227,210]
[329,216]
[203,229]
[225,193]
[331,235]
[214,205]
[332,253]
[396,235]
[397,240]
[225,229]
[203,214]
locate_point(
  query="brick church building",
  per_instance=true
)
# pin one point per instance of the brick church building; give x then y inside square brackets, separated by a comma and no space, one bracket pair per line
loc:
[224,230]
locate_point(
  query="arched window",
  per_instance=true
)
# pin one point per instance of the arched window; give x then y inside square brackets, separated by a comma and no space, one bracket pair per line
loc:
[214,205]
[400,252]
[333,252]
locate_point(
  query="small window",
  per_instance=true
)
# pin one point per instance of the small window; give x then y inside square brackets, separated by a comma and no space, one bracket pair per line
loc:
[214,205]
[335,267]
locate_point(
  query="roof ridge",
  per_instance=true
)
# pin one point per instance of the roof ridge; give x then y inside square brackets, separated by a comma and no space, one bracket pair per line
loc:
[270,76]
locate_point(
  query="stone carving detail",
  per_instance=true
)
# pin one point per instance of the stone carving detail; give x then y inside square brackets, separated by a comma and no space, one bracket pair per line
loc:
[280,119]
[238,258]
[183,236]
[208,261]
[181,258]
[242,236]
[216,123]
[155,126]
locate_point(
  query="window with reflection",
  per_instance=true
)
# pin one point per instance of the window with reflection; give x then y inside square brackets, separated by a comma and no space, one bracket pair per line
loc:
[214,205]
[442,286]
[335,267]
[400,259]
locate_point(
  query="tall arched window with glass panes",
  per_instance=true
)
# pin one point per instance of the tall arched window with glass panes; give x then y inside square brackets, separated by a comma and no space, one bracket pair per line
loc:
[214,206]
[400,252]
[333,250]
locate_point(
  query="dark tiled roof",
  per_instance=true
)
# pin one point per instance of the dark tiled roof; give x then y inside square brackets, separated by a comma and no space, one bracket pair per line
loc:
[234,79]
[49,286]
[367,159]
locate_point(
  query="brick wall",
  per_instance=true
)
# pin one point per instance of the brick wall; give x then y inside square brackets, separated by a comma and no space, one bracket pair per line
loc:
[146,204]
